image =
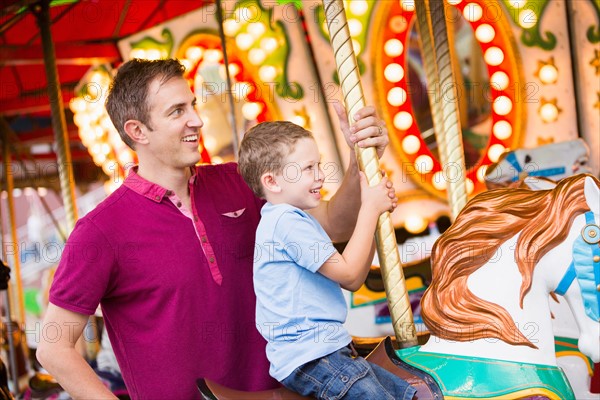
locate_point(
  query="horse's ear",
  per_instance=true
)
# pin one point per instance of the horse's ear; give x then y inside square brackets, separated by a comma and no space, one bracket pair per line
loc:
[592,194]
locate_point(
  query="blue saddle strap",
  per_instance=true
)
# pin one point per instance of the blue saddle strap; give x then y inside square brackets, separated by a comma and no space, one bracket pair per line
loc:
[512,159]
[566,281]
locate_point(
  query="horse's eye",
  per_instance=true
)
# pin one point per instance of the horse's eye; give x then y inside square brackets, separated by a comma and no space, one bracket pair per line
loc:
[527,159]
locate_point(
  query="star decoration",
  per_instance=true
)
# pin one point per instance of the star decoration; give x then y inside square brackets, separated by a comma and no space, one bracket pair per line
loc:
[544,140]
[302,118]
[549,110]
[596,62]
[597,104]
[547,72]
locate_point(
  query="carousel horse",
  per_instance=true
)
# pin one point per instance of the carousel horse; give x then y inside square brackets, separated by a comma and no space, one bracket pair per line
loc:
[553,161]
[487,307]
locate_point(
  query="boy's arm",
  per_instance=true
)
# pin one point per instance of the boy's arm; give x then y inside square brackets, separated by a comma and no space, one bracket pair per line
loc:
[58,355]
[338,216]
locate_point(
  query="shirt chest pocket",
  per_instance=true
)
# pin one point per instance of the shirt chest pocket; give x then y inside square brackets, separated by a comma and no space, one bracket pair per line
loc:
[238,230]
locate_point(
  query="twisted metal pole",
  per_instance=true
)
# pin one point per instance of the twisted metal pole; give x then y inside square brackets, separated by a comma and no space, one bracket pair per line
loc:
[387,247]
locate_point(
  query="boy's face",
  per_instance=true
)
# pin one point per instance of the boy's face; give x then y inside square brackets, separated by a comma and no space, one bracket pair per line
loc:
[302,178]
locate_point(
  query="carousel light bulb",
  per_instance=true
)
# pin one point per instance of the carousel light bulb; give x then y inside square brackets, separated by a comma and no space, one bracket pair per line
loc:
[393,48]
[234,69]
[230,27]
[17,192]
[82,120]
[251,110]
[481,173]
[424,164]
[194,53]
[213,56]
[415,224]
[42,191]
[454,2]
[268,44]
[358,7]
[393,73]
[216,160]
[470,185]
[407,5]
[257,56]
[411,144]
[502,105]
[398,24]
[138,53]
[187,64]
[473,12]
[267,73]
[396,96]
[499,80]
[244,41]
[403,120]
[256,29]
[299,120]
[548,74]
[210,143]
[495,151]
[153,54]
[548,112]
[527,19]
[494,56]
[438,181]
[502,130]
[241,90]
[356,46]
[485,33]
[355,27]
[77,105]
[517,3]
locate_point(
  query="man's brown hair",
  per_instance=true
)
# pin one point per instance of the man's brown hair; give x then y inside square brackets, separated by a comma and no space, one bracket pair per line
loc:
[264,149]
[128,96]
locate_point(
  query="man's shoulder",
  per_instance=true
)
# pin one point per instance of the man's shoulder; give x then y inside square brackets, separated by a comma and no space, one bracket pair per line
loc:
[225,169]
[112,208]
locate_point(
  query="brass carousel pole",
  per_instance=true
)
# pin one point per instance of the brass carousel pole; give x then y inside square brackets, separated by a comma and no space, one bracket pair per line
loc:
[387,247]
[59,125]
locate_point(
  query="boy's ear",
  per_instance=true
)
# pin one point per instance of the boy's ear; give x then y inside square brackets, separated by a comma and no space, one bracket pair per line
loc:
[269,183]
[136,131]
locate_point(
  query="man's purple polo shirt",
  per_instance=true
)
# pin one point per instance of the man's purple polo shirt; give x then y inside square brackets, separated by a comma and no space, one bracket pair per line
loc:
[176,296]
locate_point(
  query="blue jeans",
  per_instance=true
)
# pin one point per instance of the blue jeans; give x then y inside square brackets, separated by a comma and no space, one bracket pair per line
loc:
[340,376]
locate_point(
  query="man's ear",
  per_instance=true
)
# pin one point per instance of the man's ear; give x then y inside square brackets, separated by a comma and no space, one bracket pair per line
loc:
[136,131]
[269,183]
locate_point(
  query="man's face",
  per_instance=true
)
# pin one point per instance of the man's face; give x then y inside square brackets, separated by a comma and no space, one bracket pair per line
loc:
[174,125]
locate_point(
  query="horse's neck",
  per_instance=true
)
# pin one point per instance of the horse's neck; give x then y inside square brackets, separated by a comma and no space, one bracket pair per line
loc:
[499,282]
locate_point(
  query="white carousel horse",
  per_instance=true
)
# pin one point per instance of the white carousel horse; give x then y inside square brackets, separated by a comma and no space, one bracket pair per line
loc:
[488,304]
[554,161]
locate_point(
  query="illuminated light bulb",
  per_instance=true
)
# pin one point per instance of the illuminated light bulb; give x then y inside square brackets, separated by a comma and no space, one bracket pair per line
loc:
[393,72]
[194,53]
[485,33]
[268,44]
[396,96]
[495,151]
[153,54]
[267,73]
[245,14]
[548,74]
[358,7]
[355,27]
[403,120]
[517,3]
[105,148]
[42,191]
[407,5]
[82,120]
[251,110]
[411,144]
[499,80]
[299,120]
[548,112]
[17,192]
[494,56]
[216,160]
[256,29]
[241,90]
[77,105]
[415,224]
[257,56]
[502,105]
[98,132]
[502,130]
[454,2]
[398,24]
[424,164]
[438,181]
[234,69]
[137,53]
[210,143]
[356,46]
[481,173]
[231,27]
[473,12]
[244,41]
[470,185]
[213,56]
[393,48]
[527,19]
[187,64]
[28,191]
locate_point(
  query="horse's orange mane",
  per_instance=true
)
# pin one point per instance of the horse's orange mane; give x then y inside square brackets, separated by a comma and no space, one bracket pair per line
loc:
[449,309]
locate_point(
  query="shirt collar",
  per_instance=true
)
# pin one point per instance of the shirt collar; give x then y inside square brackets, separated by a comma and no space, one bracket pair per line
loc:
[149,189]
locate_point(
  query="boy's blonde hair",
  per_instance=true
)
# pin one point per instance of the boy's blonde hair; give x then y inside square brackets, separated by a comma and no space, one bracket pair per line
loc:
[264,149]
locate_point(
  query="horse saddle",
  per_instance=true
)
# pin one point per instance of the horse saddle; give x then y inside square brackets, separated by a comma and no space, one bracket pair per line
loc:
[383,355]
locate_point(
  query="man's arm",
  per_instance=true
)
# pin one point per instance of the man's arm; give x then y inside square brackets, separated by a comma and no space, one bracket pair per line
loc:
[58,355]
[338,215]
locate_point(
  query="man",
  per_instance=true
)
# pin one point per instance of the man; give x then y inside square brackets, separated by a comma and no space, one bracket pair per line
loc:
[168,255]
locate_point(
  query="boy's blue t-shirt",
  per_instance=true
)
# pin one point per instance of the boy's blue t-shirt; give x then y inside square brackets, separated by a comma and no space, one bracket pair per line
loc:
[299,311]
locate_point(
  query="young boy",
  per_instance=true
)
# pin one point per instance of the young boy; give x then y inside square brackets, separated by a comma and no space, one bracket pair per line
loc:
[300,307]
